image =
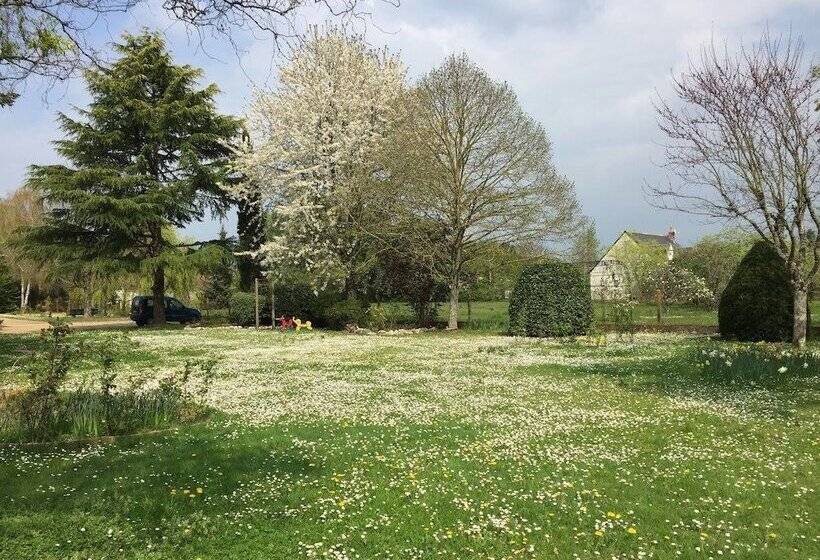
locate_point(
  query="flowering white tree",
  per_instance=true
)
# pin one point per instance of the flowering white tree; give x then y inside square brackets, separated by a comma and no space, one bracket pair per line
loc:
[673,284]
[316,138]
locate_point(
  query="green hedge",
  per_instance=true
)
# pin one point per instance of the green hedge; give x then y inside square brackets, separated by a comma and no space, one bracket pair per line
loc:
[346,312]
[243,310]
[292,299]
[758,302]
[551,299]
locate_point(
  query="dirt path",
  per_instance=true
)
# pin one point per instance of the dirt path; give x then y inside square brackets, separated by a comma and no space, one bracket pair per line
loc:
[31,326]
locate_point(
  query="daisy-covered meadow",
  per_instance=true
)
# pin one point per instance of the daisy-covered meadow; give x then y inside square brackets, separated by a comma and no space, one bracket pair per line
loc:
[436,445]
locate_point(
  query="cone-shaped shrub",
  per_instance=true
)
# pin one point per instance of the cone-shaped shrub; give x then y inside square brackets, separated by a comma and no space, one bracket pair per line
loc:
[551,299]
[758,302]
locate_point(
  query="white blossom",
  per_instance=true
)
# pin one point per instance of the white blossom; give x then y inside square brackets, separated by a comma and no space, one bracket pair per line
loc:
[315,139]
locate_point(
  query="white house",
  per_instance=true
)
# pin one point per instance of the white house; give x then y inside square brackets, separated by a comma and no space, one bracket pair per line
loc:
[609,278]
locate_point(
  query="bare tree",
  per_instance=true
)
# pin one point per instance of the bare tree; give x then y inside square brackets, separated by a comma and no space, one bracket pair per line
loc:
[743,146]
[53,39]
[474,168]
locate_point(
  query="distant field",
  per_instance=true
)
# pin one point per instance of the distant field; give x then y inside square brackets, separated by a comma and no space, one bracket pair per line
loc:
[492,315]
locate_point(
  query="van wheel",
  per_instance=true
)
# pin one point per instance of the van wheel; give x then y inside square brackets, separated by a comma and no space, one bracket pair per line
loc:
[140,323]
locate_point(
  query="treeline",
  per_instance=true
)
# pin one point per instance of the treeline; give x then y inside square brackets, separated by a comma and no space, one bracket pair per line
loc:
[348,180]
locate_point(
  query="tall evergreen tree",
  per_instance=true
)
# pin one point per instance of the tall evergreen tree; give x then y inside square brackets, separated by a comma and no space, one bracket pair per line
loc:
[216,291]
[147,156]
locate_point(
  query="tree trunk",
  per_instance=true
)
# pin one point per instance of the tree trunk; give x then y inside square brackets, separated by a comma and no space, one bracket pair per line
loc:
[22,295]
[158,293]
[87,305]
[659,304]
[800,316]
[452,323]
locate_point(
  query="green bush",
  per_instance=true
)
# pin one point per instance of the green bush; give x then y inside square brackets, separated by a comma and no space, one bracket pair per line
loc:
[243,309]
[291,299]
[551,299]
[758,302]
[8,290]
[45,411]
[348,311]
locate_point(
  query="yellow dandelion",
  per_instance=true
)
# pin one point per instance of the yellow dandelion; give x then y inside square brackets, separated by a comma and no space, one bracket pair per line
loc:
[599,533]
[199,490]
[632,530]
[772,535]
[611,514]
[186,491]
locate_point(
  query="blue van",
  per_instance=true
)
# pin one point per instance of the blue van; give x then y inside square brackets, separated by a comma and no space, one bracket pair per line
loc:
[142,311]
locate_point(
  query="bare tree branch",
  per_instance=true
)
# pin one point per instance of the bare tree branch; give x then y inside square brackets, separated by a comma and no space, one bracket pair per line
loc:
[743,144]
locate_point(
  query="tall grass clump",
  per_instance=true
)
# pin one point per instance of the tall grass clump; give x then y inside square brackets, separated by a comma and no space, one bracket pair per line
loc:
[45,411]
[760,363]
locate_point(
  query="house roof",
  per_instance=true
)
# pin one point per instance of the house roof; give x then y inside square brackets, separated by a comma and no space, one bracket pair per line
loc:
[644,238]
[641,239]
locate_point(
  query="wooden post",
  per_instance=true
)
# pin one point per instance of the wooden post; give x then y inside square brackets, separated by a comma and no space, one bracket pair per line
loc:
[256,299]
[659,301]
[272,307]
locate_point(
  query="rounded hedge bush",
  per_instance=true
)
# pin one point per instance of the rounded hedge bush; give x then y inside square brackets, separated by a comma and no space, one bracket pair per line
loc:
[758,302]
[242,310]
[551,299]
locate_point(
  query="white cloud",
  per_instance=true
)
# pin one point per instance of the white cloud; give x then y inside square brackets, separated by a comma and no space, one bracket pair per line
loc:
[588,70]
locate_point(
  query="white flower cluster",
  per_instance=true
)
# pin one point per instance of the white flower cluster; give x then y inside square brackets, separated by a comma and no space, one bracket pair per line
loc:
[314,142]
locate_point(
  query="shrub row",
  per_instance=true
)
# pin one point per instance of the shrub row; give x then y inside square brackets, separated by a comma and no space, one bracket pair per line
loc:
[325,309]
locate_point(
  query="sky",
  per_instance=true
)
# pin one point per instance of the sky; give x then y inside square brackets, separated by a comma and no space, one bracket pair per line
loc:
[588,70]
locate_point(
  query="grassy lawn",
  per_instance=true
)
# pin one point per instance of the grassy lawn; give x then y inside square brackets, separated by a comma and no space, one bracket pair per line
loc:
[440,445]
[492,315]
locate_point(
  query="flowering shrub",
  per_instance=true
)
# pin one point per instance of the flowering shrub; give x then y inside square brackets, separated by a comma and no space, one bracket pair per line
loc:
[678,285]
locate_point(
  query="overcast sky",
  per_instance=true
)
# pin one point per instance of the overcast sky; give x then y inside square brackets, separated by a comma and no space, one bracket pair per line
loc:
[588,70]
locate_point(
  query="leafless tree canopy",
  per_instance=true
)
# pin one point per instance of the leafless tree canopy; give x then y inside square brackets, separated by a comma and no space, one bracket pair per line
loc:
[743,144]
[51,38]
[477,169]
